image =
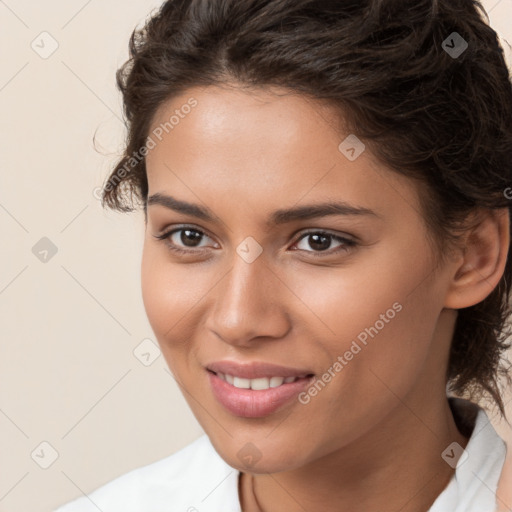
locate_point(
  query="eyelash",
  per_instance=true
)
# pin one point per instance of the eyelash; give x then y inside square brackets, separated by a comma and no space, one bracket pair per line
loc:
[348,243]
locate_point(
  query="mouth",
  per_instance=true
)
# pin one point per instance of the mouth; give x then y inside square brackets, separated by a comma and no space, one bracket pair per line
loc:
[260,383]
[256,370]
[255,390]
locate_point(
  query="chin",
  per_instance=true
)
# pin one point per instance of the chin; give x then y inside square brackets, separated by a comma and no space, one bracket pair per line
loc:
[273,465]
[260,456]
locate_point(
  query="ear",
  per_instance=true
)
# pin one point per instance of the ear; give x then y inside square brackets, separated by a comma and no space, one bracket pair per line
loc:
[481,264]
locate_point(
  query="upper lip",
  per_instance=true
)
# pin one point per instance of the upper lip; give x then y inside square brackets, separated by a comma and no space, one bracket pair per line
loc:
[255,370]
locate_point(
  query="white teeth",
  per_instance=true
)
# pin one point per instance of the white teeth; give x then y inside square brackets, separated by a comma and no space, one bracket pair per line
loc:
[238,382]
[261,383]
[256,384]
[276,381]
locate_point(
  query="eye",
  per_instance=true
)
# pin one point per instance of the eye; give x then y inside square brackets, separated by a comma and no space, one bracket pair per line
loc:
[182,238]
[320,242]
[187,239]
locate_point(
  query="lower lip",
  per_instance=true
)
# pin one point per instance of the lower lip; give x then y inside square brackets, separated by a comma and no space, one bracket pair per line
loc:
[250,403]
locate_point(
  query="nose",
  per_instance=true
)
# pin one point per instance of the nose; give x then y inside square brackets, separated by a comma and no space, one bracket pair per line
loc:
[249,303]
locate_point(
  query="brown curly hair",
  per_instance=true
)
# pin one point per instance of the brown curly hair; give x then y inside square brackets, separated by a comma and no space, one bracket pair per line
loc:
[444,120]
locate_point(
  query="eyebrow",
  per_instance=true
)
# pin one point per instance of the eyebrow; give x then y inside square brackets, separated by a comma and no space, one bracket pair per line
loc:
[281,216]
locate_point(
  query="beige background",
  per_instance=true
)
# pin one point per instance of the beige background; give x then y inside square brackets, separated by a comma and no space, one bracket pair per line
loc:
[70,325]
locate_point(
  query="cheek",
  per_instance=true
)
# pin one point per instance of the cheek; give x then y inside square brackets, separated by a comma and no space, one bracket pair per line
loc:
[169,296]
[156,291]
[168,293]
[380,320]
[382,358]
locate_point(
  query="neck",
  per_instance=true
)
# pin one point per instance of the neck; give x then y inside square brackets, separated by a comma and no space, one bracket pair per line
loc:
[396,466]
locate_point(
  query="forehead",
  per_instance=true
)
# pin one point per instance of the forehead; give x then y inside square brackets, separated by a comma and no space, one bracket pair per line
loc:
[218,103]
[263,147]
[233,123]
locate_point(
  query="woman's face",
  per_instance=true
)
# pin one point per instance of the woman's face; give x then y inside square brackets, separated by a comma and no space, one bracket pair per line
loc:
[271,274]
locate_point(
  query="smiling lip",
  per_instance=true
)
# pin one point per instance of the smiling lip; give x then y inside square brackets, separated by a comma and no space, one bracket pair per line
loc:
[250,403]
[256,370]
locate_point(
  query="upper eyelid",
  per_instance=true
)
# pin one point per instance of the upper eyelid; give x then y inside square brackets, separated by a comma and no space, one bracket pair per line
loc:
[167,233]
[191,227]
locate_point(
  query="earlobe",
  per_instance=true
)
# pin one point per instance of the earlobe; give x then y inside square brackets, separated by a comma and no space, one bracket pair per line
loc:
[484,254]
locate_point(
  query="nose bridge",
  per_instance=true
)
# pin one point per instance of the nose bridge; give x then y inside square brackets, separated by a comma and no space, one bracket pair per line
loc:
[244,289]
[246,302]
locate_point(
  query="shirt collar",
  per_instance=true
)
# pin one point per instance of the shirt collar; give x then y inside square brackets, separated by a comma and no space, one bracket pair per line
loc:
[478,470]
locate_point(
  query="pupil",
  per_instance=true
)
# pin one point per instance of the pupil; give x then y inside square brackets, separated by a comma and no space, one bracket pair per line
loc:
[320,246]
[195,236]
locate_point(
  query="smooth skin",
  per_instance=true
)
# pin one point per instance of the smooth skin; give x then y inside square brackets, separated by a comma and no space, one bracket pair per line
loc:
[372,438]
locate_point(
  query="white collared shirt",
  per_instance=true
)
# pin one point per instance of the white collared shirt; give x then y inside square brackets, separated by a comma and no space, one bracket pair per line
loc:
[197,479]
